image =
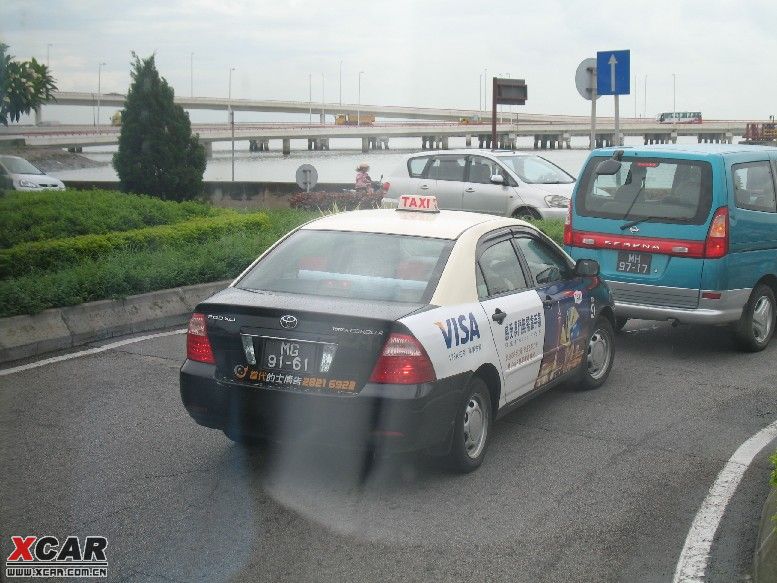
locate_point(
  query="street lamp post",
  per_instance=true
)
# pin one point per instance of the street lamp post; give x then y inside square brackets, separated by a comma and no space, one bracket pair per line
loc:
[310,99]
[323,100]
[99,91]
[191,74]
[644,96]
[359,103]
[674,98]
[231,121]
[480,92]
[48,54]
[341,83]
[485,90]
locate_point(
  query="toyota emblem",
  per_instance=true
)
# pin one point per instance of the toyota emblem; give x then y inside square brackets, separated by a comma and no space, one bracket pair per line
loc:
[289,322]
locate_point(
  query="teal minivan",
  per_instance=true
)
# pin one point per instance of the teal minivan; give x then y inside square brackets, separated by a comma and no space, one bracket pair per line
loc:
[683,233]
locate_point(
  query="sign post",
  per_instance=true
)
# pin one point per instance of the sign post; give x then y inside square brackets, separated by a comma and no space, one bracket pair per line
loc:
[585,81]
[613,74]
[506,92]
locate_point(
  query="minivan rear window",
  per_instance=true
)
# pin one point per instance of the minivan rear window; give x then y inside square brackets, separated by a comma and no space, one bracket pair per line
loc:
[660,189]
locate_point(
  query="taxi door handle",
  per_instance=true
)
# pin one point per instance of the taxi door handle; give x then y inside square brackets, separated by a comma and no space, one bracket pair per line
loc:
[424,187]
[470,189]
[548,302]
[499,316]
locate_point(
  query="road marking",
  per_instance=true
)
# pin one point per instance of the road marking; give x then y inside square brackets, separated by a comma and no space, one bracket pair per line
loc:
[87,352]
[693,559]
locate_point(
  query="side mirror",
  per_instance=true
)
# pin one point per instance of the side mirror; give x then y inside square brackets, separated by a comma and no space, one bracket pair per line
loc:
[497,179]
[587,268]
[608,168]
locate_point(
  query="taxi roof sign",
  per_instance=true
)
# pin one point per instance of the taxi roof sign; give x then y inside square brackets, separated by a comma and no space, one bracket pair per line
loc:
[424,204]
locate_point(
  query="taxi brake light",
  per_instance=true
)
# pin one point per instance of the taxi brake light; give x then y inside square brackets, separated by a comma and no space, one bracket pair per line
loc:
[403,361]
[198,346]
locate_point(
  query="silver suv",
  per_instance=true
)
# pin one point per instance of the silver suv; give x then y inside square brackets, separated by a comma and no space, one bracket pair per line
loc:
[498,182]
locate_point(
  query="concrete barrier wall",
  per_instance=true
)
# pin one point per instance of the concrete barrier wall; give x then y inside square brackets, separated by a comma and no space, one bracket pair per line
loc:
[234,194]
[59,328]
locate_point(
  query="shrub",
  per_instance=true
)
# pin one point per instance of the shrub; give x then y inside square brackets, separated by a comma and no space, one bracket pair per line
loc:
[36,216]
[327,201]
[57,253]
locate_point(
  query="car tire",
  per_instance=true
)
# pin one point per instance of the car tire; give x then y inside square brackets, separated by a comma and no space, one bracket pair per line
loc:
[620,322]
[472,428]
[599,355]
[527,214]
[756,325]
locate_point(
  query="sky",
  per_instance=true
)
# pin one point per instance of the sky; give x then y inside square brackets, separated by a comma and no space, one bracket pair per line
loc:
[716,57]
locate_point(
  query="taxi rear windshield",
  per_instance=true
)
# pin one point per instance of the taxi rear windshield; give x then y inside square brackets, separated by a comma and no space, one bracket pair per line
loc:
[364,266]
[659,189]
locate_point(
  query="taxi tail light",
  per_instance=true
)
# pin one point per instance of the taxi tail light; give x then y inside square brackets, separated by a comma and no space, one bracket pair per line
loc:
[403,361]
[198,346]
[716,244]
[568,226]
[386,186]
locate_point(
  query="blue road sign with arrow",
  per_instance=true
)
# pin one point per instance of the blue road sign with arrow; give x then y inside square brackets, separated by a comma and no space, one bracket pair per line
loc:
[613,72]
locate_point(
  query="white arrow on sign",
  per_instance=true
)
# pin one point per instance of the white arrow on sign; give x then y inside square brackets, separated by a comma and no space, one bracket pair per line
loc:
[612,62]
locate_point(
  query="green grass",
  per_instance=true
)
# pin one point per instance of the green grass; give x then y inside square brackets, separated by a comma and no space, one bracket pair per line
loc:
[553,229]
[128,272]
[38,216]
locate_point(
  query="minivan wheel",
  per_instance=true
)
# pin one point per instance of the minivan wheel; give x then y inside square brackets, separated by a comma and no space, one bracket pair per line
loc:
[599,355]
[527,214]
[756,326]
[472,428]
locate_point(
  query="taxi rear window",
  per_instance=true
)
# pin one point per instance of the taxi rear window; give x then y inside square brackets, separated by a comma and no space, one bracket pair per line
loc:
[664,190]
[365,266]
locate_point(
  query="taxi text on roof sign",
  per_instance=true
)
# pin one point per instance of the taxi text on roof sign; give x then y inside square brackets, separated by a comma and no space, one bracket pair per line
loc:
[427,204]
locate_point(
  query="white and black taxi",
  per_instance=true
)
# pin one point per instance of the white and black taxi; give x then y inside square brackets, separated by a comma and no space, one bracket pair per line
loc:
[406,329]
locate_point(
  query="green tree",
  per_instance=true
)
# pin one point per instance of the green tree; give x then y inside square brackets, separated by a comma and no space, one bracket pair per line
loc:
[24,86]
[157,153]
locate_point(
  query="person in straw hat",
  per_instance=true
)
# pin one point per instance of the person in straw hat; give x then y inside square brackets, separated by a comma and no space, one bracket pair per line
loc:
[363,180]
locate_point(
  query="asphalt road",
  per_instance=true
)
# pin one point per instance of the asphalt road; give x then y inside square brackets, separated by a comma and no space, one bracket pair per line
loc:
[577,486]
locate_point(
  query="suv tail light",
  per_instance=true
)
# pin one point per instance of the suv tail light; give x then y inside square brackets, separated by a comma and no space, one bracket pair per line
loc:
[568,225]
[403,361]
[716,244]
[198,346]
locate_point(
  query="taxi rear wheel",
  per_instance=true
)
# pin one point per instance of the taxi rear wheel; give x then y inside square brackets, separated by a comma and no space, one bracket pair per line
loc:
[472,428]
[756,326]
[599,355]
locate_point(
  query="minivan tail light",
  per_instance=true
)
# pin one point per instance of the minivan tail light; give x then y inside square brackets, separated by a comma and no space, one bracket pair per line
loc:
[198,346]
[716,244]
[568,225]
[403,361]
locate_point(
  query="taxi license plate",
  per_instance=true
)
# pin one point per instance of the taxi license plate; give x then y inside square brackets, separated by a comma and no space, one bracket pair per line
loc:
[631,262]
[290,356]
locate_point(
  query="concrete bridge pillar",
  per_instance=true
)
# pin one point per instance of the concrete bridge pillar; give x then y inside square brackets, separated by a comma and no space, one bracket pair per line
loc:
[468,141]
[286,146]
[79,149]
[729,137]
[567,139]
[208,149]
[444,142]
[365,145]
[674,137]
[253,146]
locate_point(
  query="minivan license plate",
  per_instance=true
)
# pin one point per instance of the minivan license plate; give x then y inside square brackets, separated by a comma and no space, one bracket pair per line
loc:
[631,262]
[290,356]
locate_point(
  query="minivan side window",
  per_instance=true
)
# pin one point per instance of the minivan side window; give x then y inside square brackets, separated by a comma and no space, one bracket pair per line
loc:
[415,166]
[447,168]
[754,187]
[482,169]
[500,270]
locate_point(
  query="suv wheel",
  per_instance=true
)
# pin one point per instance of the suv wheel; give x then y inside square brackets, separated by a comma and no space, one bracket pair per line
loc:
[756,326]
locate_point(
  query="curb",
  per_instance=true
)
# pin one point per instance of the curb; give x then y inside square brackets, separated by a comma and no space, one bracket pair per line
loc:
[765,567]
[59,328]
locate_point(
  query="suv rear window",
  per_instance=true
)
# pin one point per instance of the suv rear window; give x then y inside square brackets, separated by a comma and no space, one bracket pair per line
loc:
[365,266]
[661,189]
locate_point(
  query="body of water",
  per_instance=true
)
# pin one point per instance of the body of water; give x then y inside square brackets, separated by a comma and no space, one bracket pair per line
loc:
[335,165]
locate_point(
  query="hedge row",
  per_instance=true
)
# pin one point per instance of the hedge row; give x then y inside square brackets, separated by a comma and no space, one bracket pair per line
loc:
[58,253]
[127,272]
[37,216]
[340,201]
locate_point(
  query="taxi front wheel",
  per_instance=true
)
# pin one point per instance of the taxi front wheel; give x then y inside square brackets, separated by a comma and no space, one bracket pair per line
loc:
[472,428]
[599,355]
